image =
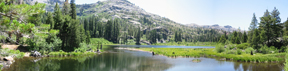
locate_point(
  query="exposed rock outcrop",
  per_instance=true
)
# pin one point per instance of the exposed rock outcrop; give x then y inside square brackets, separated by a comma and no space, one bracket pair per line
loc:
[35,54]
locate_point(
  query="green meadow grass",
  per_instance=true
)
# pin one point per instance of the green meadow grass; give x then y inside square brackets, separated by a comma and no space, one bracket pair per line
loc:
[211,52]
[188,43]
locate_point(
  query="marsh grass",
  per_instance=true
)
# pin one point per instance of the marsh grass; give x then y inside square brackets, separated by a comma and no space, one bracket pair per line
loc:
[286,62]
[188,43]
[211,52]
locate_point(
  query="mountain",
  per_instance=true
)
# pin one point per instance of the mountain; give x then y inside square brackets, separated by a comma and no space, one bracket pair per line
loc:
[136,16]
[227,28]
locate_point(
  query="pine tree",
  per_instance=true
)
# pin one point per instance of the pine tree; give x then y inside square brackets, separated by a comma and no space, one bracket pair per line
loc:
[66,8]
[266,25]
[58,18]
[222,39]
[176,37]
[286,27]
[100,30]
[233,39]
[179,38]
[82,33]
[277,26]
[244,37]
[73,9]
[255,39]
[237,40]
[86,25]
[253,26]
[74,38]
[87,37]
[108,30]
[138,38]
[50,20]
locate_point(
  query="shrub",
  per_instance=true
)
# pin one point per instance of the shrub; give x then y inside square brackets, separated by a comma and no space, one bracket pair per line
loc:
[231,51]
[249,49]
[220,48]
[242,46]
[265,50]
[239,51]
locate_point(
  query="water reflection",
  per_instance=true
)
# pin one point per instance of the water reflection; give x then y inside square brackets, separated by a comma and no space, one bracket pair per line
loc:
[125,60]
[102,62]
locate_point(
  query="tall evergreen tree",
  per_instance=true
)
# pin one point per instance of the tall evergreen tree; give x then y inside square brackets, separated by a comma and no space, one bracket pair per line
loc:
[266,25]
[73,9]
[222,39]
[86,25]
[255,39]
[87,37]
[244,37]
[277,26]
[179,37]
[82,33]
[50,20]
[176,37]
[108,30]
[138,36]
[58,18]
[286,27]
[74,37]
[66,8]
[253,26]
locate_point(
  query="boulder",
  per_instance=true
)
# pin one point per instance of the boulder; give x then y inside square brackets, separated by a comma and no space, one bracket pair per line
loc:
[35,54]
[8,58]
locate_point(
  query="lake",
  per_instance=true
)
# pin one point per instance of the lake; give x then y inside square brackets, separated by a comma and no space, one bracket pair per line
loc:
[126,60]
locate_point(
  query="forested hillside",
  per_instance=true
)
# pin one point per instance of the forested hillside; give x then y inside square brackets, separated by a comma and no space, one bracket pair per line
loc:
[130,17]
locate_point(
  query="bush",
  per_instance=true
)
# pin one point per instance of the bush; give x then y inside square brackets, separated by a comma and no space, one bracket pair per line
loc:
[265,50]
[231,51]
[239,51]
[242,46]
[8,52]
[249,49]
[220,48]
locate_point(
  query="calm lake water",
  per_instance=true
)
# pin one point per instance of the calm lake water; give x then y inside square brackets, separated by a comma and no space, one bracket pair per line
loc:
[126,60]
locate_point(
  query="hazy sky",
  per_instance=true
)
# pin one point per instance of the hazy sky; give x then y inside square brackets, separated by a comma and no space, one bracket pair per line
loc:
[237,13]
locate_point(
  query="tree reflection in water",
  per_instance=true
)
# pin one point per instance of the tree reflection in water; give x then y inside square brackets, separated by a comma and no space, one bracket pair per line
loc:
[102,62]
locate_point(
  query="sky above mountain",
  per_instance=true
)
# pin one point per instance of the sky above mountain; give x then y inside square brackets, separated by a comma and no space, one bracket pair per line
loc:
[237,13]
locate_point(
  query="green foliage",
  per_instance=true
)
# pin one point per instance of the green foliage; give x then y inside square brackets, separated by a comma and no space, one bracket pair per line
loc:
[219,48]
[88,37]
[222,39]
[138,37]
[264,49]
[248,50]
[7,52]
[239,51]
[255,39]
[242,46]
[244,37]
[50,20]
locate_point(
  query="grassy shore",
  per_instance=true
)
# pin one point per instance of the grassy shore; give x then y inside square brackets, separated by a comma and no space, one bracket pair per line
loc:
[188,43]
[286,60]
[211,52]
